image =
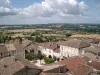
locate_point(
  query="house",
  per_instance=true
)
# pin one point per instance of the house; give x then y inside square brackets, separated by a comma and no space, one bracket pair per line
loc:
[31,49]
[54,68]
[71,62]
[59,50]
[18,66]
[72,48]
[80,69]
[14,49]
[93,49]
[50,48]
[95,65]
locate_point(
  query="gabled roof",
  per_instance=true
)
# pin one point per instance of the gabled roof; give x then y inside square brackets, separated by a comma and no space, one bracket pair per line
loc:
[53,74]
[25,62]
[10,47]
[3,48]
[51,45]
[95,65]
[75,43]
[12,66]
[54,68]
[71,62]
[81,69]
[18,46]
[32,46]
[25,43]
[93,49]
[9,67]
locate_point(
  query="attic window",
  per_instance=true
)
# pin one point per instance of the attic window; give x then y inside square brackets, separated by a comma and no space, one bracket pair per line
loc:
[5,66]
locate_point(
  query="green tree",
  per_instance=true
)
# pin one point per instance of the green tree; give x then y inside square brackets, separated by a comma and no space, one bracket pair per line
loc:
[68,34]
[38,39]
[40,56]
[49,60]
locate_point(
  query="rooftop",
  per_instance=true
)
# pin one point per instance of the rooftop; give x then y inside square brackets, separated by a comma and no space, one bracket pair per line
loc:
[73,61]
[81,69]
[75,43]
[93,49]
[51,45]
[95,65]
[12,65]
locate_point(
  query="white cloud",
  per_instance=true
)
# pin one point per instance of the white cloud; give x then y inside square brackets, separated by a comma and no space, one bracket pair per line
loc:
[47,11]
[6,8]
[46,8]
[49,8]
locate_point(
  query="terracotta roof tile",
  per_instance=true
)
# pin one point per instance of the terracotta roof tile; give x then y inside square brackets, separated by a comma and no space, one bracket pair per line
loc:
[95,65]
[51,45]
[81,69]
[71,62]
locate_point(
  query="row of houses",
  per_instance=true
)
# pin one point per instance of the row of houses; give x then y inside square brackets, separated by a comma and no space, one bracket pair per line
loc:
[60,49]
[16,65]
[7,50]
[13,60]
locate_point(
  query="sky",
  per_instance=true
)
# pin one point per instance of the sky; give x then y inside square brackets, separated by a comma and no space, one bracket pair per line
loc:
[49,11]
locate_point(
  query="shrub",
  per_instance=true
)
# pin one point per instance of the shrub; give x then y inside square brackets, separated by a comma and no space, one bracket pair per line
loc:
[29,57]
[49,60]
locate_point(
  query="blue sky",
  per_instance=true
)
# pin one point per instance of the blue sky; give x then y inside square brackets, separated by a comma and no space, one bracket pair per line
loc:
[49,11]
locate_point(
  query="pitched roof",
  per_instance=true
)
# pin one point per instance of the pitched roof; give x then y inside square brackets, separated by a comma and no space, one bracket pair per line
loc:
[11,65]
[71,62]
[25,62]
[51,45]
[81,69]
[3,48]
[53,74]
[93,49]
[54,68]
[95,65]
[18,46]
[32,46]
[25,43]
[76,43]
[10,47]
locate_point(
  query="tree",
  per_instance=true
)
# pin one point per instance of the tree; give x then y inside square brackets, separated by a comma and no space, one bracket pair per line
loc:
[40,56]
[49,60]
[38,39]
[68,34]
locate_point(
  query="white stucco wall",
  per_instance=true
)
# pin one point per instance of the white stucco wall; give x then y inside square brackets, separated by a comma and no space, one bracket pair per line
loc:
[64,51]
[68,51]
[48,52]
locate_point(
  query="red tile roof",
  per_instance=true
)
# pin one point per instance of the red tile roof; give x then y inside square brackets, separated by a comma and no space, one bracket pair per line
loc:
[95,65]
[71,62]
[81,69]
[51,45]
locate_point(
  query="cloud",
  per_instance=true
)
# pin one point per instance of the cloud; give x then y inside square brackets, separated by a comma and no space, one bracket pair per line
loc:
[46,8]
[48,11]
[50,8]
[6,8]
